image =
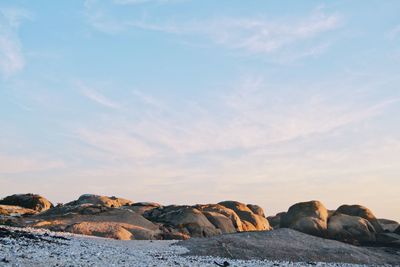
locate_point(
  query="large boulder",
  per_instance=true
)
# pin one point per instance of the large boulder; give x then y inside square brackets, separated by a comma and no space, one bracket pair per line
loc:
[11,215]
[186,219]
[215,210]
[351,229]
[360,211]
[307,217]
[121,231]
[388,225]
[96,220]
[275,220]
[113,202]
[256,209]
[221,222]
[102,229]
[250,220]
[8,210]
[29,201]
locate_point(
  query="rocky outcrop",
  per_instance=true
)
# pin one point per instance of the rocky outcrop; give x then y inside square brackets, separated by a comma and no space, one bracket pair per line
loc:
[387,240]
[113,202]
[8,210]
[102,229]
[121,231]
[361,211]
[122,219]
[275,220]
[297,248]
[250,220]
[307,217]
[29,201]
[142,207]
[185,219]
[397,231]
[388,225]
[96,220]
[215,210]
[256,209]
[351,229]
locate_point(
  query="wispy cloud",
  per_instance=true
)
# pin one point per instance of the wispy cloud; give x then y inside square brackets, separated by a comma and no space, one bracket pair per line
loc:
[119,145]
[11,164]
[11,56]
[266,36]
[97,97]
[253,35]
[251,116]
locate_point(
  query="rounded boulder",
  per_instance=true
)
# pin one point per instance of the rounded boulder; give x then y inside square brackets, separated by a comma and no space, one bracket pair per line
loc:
[28,201]
[308,217]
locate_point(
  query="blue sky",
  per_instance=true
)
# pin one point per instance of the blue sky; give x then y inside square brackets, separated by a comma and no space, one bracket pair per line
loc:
[180,101]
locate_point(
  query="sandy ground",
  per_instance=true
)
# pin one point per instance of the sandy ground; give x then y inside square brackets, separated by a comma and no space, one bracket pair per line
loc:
[33,247]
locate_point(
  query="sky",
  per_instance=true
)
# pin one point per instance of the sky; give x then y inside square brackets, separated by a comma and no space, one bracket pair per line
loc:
[184,102]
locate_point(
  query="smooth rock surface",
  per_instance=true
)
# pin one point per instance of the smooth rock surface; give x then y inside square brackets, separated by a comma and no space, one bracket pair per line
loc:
[361,211]
[351,229]
[307,217]
[113,202]
[250,220]
[287,244]
[29,201]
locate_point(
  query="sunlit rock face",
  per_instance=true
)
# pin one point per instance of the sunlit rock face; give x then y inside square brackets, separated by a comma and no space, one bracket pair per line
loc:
[256,209]
[222,217]
[250,220]
[29,201]
[9,210]
[100,200]
[308,217]
[96,220]
[360,211]
[123,219]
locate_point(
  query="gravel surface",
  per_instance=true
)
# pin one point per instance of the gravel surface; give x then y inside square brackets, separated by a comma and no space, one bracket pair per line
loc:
[34,247]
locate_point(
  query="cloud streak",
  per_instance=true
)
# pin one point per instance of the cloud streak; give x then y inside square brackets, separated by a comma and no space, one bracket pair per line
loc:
[11,56]
[251,116]
[19,164]
[256,35]
[265,36]
[96,97]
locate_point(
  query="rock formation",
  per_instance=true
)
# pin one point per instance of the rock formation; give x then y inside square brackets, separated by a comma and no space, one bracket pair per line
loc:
[388,225]
[360,211]
[29,201]
[275,220]
[112,202]
[308,217]
[123,219]
[250,220]
[351,229]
